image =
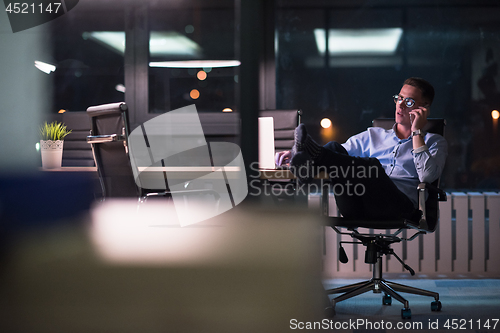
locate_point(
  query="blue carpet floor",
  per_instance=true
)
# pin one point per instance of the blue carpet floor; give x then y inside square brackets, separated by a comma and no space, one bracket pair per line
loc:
[468,305]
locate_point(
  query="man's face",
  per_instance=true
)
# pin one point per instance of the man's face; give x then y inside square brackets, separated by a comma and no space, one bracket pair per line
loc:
[402,111]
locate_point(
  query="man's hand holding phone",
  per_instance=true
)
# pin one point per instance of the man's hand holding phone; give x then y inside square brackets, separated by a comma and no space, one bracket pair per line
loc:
[418,117]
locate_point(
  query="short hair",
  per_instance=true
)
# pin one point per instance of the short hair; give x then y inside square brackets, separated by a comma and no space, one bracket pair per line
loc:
[425,87]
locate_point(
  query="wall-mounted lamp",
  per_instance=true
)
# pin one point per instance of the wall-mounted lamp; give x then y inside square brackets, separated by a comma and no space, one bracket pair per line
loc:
[495,114]
[327,132]
[325,123]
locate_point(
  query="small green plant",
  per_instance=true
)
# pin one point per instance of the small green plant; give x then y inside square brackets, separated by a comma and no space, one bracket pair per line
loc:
[53,131]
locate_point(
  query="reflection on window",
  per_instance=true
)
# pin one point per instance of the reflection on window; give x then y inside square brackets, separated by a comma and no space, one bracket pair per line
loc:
[372,50]
[88,70]
[201,68]
[161,43]
[358,42]
[211,89]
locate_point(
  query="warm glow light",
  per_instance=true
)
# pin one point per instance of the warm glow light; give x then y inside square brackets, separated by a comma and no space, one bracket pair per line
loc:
[227,110]
[495,114]
[194,94]
[201,75]
[325,123]
[61,111]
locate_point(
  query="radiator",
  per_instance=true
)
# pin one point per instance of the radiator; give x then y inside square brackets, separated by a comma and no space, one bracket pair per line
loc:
[466,242]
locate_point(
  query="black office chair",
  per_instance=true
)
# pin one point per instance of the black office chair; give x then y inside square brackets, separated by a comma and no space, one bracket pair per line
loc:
[109,138]
[379,244]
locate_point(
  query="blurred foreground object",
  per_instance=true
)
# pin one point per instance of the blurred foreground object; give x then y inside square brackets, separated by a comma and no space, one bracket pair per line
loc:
[251,269]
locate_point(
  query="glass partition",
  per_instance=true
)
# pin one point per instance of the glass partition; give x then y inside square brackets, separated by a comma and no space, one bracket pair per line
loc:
[88,47]
[192,58]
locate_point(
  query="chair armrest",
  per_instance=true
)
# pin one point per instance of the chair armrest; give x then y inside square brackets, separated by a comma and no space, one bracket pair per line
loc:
[422,188]
[104,138]
[433,188]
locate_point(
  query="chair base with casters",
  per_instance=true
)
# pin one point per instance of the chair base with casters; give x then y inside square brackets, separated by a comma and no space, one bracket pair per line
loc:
[376,247]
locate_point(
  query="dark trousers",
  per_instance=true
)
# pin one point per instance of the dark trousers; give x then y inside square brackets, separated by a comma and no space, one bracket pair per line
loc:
[361,187]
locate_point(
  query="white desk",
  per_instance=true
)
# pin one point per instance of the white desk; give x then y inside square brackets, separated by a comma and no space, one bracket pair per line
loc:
[190,172]
[71,169]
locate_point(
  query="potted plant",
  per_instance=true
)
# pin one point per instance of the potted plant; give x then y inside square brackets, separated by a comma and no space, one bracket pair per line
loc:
[51,143]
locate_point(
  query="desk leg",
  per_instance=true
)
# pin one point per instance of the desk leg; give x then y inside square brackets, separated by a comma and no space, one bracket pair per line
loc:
[325,194]
[325,207]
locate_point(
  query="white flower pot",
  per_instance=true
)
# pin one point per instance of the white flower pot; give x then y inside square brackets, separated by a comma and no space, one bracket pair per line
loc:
[51,153]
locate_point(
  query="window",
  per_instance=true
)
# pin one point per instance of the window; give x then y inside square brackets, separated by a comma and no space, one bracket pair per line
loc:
[192,58]
[88,52]
[454,47]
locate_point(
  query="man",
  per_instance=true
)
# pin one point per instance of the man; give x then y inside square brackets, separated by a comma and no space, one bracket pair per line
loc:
[384,165]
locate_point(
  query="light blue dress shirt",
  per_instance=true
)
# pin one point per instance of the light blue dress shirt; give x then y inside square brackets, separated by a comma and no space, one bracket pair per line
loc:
[407,167]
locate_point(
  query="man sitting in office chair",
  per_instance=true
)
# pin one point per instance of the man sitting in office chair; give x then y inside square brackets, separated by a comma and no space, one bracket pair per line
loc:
[384,167]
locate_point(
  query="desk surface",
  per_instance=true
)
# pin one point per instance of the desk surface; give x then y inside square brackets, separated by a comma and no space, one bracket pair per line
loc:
[193,170]
[71,169]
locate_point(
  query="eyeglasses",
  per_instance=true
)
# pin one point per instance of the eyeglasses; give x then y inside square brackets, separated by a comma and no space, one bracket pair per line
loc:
[409,102]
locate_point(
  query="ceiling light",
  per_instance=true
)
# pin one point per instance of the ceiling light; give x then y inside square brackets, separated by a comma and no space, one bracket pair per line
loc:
[120,87]
[195,63]
[349,42]
[44,67]
[161,43]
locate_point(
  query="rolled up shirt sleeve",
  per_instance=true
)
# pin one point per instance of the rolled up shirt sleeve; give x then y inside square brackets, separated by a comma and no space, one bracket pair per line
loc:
[430,158]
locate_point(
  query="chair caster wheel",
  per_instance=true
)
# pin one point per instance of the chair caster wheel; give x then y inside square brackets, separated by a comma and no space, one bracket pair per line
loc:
[329,312]
[387,300]
[406,313]
[436,306]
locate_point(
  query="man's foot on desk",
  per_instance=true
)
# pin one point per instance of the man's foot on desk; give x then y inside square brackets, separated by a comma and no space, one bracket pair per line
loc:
[304,143]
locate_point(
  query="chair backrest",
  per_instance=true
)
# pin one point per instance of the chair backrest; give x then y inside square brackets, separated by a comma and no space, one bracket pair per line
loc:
[436,126]
[76,150]
[285,122]
[109,140]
